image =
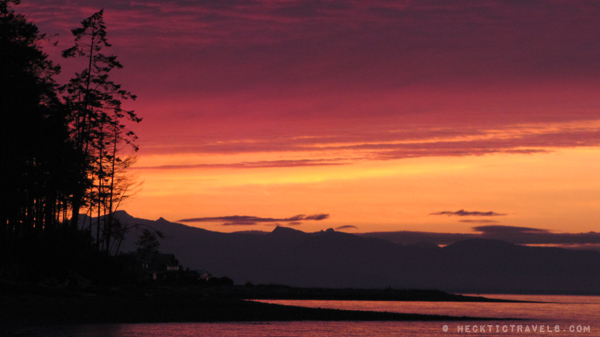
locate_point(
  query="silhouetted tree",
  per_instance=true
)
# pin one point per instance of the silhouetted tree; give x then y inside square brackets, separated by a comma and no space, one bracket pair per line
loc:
[58,155]
[37,157]
[97,125]
[148,244]
[122,186]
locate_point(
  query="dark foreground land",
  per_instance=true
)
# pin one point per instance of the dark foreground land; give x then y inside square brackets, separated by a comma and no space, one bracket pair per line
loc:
[28,306]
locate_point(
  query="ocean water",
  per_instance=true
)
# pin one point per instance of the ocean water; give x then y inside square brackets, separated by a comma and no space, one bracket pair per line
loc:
[556,316]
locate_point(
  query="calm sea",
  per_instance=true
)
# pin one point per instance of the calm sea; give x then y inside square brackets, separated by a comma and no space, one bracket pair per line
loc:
[558,316]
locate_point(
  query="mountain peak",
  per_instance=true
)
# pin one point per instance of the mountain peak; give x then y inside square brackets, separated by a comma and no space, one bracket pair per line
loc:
[122,215]
[279,230]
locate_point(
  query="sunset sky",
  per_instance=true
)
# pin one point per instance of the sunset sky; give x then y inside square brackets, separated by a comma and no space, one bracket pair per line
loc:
[360,115]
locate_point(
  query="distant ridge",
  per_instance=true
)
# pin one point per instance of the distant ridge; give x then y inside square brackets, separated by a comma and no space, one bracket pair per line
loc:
[341,260]
[279,230]
[478,244]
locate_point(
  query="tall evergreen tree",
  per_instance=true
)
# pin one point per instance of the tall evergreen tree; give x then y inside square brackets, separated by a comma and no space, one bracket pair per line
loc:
[37,158]
[97,122]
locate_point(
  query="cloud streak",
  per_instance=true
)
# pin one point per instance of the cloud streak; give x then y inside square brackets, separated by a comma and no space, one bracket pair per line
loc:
[512,234]
[508,230]
[252,165]
[337,150]
[246,220]
[477,221]
[346,227]
[462,212]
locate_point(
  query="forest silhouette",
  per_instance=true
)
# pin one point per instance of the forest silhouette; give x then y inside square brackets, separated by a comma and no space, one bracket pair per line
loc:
[65,150]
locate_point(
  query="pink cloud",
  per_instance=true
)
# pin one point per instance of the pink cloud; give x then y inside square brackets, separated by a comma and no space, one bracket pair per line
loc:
[394,80]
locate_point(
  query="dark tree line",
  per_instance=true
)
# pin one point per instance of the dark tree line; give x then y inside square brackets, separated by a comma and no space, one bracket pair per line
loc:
[64,147]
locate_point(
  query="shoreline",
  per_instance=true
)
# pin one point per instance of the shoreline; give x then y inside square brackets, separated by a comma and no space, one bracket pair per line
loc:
[281,292]
[33,306]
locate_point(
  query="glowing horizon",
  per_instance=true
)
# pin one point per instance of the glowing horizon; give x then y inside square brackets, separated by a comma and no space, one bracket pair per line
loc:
[377,114]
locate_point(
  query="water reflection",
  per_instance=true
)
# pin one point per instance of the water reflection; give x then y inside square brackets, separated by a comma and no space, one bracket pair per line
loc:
[565,311]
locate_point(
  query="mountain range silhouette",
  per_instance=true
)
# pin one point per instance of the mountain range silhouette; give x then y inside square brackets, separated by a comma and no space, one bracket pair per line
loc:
[341,260]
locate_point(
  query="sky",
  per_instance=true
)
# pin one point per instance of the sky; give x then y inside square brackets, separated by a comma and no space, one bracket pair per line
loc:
[433,116]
